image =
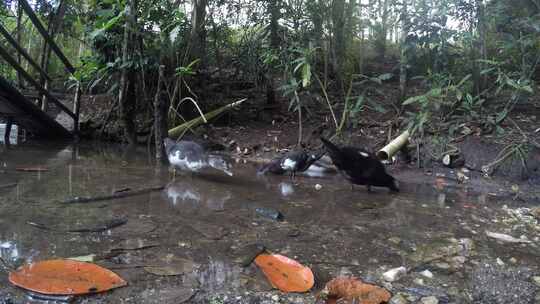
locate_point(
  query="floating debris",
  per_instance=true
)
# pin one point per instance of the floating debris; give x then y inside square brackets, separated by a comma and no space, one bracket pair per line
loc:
[394,274]
[506,238]
[270,213]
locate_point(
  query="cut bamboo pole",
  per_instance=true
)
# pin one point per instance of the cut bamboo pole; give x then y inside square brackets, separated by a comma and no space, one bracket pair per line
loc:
[179,130]
[394,146]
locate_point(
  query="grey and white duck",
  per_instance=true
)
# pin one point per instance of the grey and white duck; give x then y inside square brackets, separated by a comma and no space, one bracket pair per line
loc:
[190,156]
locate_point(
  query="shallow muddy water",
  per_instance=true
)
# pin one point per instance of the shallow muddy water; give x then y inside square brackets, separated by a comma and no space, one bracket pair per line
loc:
[200,227]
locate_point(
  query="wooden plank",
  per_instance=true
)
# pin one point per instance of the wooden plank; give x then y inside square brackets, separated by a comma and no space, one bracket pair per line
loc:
[11,61]
[30,12]
[34,119]
[23,52]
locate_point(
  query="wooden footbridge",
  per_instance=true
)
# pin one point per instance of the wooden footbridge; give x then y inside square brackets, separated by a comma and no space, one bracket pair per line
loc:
[19,109]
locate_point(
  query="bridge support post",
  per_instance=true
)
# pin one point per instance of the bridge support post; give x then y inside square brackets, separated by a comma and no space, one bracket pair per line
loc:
[44,100]
[9,123]
[76,108]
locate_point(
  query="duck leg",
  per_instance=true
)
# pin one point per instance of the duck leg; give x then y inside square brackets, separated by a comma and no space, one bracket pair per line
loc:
[293,176]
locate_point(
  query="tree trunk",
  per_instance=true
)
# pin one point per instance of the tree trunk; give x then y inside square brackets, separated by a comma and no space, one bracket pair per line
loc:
[384,30]
[160,116]
[338,21]
[19,38]
[350,25]
[274,7]
[404,60]
[317,20]
[198,31]
[127,96]
[481,46]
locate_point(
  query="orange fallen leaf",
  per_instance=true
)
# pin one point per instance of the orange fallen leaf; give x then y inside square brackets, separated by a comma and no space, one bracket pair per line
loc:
[32,169]
[353,290]
[285,274]
[65,277]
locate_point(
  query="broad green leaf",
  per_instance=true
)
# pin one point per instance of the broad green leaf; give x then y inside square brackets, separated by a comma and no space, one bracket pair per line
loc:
[306,75]
[527,89]
[459,95]
[436,92]
[412,100]
[386,76]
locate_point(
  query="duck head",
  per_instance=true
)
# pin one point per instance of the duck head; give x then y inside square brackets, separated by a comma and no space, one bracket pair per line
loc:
[220,163]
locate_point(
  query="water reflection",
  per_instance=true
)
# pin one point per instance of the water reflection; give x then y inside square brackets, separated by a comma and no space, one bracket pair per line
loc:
[195,193]
[286,188]
[218,273]
[9,250]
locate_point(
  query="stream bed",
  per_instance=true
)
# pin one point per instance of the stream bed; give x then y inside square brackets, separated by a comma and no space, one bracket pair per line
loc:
[187,242]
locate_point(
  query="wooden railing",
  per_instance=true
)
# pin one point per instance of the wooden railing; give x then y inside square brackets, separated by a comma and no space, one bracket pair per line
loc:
[41,88]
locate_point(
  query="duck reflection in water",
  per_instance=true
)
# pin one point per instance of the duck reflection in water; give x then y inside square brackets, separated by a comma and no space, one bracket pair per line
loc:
[196,194]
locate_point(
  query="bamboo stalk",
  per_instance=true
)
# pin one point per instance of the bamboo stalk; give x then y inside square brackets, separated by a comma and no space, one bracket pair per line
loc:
[394,146]
[179,130]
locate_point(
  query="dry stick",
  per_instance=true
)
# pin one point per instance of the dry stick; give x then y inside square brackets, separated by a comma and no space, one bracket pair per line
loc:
[77,200]
[491,166]
[327,100]
[6,264]
[104,227]
[299,118]
[8,185]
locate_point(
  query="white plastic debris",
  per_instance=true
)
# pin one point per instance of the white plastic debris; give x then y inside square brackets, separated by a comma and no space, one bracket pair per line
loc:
[428,274]
[506,238]
[394,274]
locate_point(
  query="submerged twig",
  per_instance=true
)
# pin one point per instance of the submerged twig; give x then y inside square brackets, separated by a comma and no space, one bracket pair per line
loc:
[82,199]
[6,265]
[104,227]
[8,185]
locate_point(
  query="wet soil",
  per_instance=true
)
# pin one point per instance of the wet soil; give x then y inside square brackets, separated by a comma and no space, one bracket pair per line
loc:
[200,227]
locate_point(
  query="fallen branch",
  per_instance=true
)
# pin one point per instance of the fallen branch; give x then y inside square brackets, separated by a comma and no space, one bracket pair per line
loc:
[179,130]
[104,227]
[116,195]
[8,185]
[6,265]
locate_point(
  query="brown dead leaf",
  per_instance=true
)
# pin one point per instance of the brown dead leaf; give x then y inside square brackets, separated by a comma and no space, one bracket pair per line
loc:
[351,290]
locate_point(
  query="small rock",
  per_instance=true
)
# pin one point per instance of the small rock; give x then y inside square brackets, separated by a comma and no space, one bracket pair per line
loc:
[536,212]
[426,273]
[246,254]
[505,238]
[318,187]
[429,300]
[500,262]
[419,281]
[275,298]
[269,213]
[513,260]
[394,240]
[394,274]
[536,280]
[398,299]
